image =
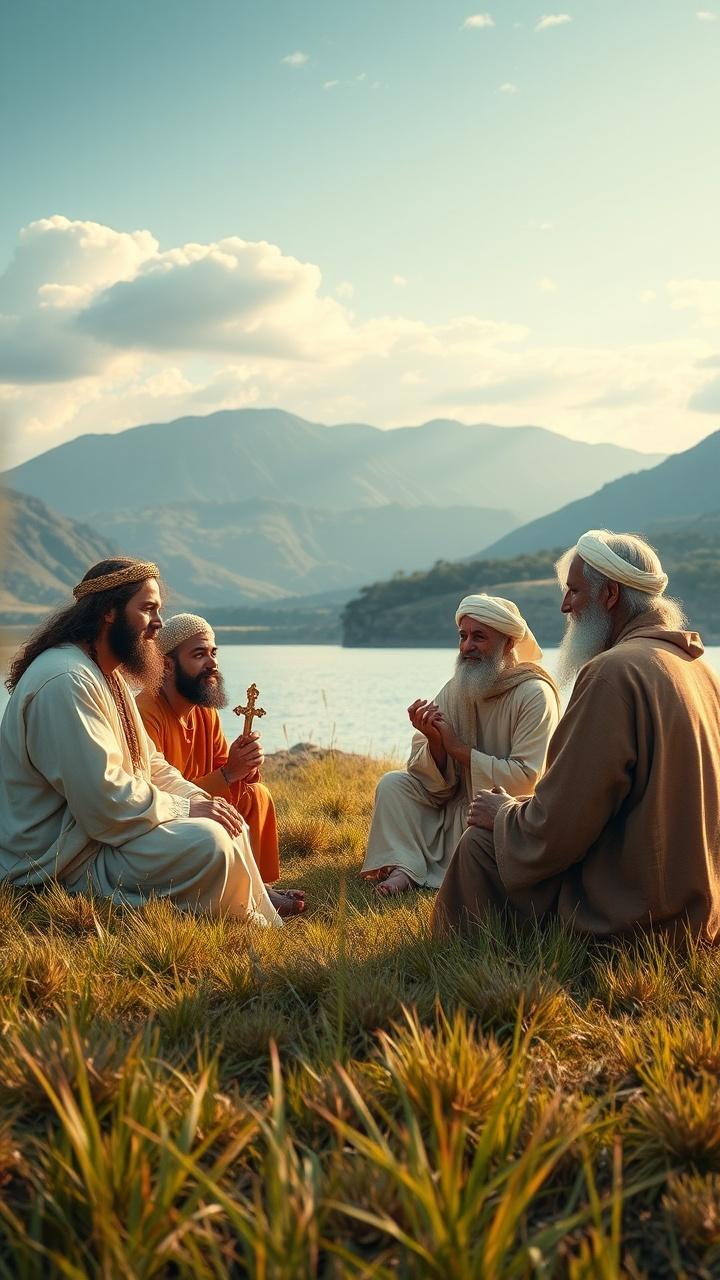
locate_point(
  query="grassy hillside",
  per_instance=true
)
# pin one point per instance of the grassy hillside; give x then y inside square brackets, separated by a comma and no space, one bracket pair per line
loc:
[419,608]
[197,1100]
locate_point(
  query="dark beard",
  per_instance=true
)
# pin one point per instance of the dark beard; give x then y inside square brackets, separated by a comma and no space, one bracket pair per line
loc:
[199,690]
[140,659]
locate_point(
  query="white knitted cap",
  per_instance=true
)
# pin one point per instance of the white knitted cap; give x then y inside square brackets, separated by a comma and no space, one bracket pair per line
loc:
[181,627]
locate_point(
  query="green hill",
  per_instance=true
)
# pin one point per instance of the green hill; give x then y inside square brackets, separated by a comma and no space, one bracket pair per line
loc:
[418,609]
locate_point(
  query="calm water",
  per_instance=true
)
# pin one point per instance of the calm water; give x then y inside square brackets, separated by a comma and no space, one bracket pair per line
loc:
[353,699]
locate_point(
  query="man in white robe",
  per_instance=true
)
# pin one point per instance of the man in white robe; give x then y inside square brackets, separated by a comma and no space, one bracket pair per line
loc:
[85,799]
[488,727]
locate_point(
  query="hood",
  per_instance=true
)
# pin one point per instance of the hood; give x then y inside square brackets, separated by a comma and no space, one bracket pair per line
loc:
[649,626]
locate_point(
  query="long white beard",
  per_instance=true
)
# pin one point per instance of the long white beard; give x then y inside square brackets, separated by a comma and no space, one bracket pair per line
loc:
[475,677]
[585,637]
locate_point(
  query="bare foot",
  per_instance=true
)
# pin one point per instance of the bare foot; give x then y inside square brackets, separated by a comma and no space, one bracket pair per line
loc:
[397,882]
[289,903]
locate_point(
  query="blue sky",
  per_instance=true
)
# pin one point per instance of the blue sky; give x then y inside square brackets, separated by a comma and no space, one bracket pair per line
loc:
[504,213]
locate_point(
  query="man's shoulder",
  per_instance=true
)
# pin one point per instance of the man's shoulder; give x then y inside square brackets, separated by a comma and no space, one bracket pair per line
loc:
[531,690]
[151,704]
[63,660]
[624,665]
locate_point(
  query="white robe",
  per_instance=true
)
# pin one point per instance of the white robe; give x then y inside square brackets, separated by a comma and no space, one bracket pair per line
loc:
[420,813]
[72,808]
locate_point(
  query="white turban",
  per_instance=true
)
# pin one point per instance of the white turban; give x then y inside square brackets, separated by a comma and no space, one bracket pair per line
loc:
[181,627]
[505,617]
[594,550]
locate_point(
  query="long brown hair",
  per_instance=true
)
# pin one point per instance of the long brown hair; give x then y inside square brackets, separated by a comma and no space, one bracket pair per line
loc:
[79,623]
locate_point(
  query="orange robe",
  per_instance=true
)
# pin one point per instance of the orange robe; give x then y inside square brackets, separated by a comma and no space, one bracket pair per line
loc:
[198,748]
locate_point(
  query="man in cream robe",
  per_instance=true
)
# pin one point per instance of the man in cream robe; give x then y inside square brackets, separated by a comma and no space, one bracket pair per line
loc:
[85,799]
[489,726]
[623,832]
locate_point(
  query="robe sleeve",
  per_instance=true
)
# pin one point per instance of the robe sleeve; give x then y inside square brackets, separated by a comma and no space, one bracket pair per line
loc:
[531,733]
[592,757]
[167,778]
[214,782]
[71,742]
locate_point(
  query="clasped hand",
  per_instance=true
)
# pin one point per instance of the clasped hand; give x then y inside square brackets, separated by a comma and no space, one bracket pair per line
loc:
[429,720]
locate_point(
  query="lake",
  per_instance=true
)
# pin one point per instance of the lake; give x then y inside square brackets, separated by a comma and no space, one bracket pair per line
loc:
[353,699]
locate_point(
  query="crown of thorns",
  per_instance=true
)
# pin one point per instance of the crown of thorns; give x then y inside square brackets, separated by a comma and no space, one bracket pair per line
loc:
[137,572]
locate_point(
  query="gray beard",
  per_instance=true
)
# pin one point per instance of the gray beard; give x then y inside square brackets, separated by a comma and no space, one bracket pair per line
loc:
[584,638]
[475,677]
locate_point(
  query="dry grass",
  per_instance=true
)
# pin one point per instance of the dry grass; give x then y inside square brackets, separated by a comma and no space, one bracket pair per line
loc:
[181,1097]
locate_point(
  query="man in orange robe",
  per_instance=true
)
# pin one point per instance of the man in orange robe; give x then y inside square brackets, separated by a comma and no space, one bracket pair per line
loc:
[183,722]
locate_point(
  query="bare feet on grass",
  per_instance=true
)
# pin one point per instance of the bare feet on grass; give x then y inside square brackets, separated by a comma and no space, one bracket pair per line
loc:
[397,882]
[287,902]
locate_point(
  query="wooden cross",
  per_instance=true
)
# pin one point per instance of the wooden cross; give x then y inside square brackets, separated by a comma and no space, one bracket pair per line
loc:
[250,711]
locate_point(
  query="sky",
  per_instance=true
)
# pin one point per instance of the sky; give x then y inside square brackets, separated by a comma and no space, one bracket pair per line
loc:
[389,212]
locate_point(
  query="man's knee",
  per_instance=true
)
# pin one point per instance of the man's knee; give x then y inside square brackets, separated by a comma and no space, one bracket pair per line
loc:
[389,782]
[476,845]
[397,783]
[472,883]
[210,842]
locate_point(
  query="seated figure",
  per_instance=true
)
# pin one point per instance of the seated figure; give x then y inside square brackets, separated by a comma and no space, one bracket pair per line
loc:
[182,720]
[489,726]
[85,799]
[623,831]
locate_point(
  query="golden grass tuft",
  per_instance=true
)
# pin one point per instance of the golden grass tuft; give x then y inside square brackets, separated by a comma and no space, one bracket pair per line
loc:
[692,1201]
[450,1066]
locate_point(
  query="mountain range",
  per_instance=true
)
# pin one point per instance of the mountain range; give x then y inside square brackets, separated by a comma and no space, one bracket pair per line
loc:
[221,544]
[244,454]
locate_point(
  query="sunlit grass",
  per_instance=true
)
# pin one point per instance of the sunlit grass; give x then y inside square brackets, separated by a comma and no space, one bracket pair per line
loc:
[346,1097]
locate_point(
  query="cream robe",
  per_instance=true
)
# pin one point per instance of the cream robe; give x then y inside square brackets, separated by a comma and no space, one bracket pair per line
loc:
[419,815]
[73,810]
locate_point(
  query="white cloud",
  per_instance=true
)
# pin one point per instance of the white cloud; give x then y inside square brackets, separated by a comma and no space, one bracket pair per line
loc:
[546,284]
[507,87]
[549,20]
[345,290]
[296,59]
[648,295]
[331,84]
[541,226]
[108,331]
[706,15]
[399,281]
[479,20]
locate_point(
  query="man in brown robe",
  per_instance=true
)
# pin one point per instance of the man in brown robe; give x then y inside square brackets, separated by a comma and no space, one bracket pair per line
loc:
[623,831]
